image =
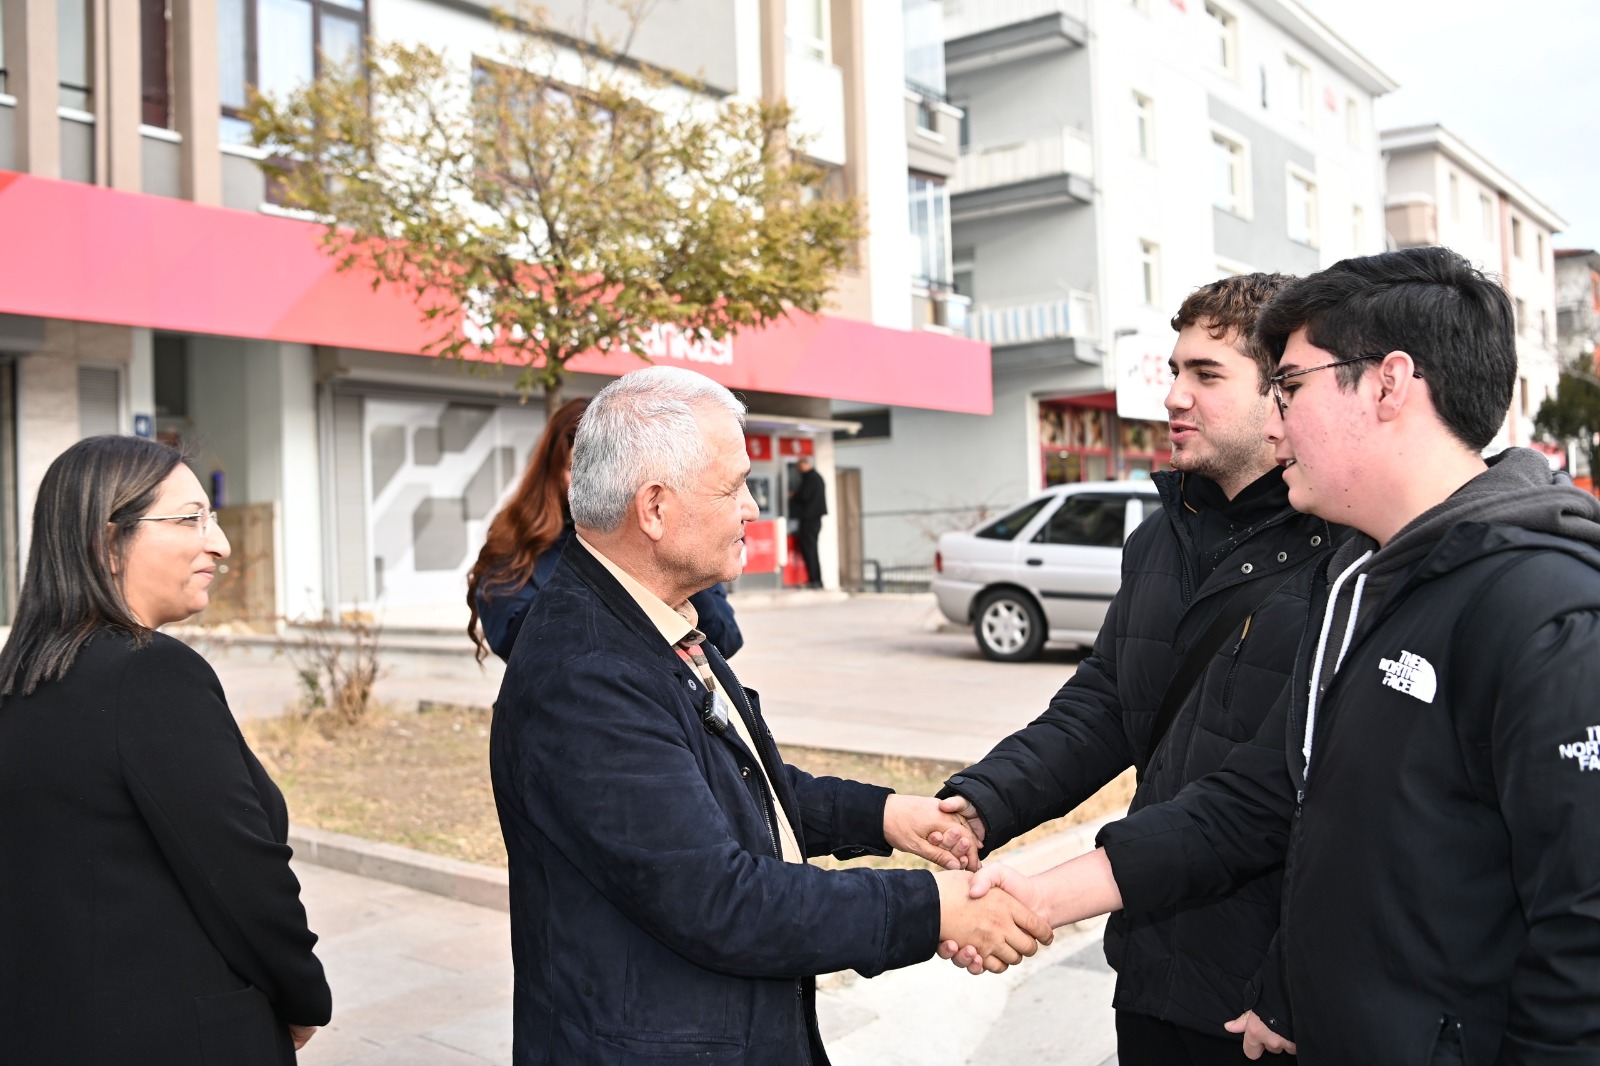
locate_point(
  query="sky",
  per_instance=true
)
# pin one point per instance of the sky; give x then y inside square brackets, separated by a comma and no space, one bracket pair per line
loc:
[1519,82]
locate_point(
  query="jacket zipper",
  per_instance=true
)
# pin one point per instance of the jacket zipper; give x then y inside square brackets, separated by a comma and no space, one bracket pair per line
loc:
[1233,665]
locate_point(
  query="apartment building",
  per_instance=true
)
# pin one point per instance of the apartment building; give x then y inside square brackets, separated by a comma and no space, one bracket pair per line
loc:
[1114,155]
[1443,192]
[1578,307]
[152,287]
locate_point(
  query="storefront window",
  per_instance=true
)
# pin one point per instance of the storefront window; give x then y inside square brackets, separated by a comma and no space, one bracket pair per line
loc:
[1082,441]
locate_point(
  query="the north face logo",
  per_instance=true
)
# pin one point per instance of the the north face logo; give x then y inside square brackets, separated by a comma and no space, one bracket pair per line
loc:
[1411,674]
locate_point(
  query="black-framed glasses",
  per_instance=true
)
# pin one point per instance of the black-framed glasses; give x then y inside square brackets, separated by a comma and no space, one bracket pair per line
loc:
[1281,398]
[203,519]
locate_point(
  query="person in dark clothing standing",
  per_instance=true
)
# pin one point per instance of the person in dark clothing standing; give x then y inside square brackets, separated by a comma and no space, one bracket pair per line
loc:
[1226,530]
[1435,776]
[807,504]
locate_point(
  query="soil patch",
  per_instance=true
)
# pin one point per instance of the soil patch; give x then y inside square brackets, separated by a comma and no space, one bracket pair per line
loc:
[422,780]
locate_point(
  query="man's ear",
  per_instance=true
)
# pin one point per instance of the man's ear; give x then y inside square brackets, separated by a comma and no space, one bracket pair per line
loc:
[650,506]
[1396,385]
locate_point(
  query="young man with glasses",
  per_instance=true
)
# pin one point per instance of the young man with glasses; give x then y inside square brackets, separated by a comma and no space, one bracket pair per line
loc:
[1195,649]
[1440,799]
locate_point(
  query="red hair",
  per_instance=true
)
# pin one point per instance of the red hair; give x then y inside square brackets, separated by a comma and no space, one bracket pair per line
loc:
[530,521]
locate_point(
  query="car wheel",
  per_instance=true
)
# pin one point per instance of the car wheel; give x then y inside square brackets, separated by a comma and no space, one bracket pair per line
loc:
[1009,626]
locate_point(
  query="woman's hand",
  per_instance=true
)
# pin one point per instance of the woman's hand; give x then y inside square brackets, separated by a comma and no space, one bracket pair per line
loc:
[301,1035]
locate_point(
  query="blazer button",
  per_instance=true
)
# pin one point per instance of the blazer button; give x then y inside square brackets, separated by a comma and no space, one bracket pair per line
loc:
[1316,540]
[692,686]
[1283,557]
[1246,568]
[744,771]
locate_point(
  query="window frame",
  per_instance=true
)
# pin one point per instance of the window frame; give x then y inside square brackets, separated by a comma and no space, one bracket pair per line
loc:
[338,9]
[1150,272]
[1144,125]
[1224,29]
[1302,89]
[1243,200]
[1313,219]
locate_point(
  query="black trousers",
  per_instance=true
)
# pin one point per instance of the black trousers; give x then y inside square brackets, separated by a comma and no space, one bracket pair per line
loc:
[1146,1041]
[810,528]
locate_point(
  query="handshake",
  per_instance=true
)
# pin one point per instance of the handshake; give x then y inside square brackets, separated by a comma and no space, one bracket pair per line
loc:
[991,917]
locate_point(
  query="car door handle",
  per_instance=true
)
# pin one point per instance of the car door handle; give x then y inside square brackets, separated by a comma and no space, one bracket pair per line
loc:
[1035,562]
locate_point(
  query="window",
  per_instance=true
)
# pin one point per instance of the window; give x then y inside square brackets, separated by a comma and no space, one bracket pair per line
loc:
[1539,248]
[1008,527]
[964,127]
[1224,31]
[1516,236]
[1352,121]
[808,28]
[1086,520]
[1150,272]
[1300,89]
[1230,175]
[72,54]
[1544,326]
[279,45]
[1455,197]
[1358,228]
[1524,391]
[1486,206]
[922,24]
[155,72]
[1522,315]
[930,229]
[1144,125]
[875,425]
[1302,208]
[1265,104]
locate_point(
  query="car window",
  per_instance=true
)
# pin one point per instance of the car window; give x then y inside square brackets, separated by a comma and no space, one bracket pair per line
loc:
[1087,520]
[1151,505]
[1008,527]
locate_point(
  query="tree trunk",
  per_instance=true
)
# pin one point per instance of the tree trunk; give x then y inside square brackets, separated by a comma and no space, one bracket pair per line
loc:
[552,399]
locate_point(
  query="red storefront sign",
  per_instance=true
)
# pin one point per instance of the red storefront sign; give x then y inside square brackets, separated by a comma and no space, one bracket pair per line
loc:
[85,253]
[761,547]
[758,448]
[795,447]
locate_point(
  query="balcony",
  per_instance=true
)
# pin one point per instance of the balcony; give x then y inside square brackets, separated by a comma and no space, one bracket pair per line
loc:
[1055,169]
[1056,331]
[816,92]
[978,33]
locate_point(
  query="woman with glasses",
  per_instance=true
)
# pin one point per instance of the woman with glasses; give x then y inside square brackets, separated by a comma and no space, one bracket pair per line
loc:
[526,539]
[147,910]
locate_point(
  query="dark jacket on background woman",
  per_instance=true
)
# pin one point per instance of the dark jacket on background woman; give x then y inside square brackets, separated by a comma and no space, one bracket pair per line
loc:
[147,910]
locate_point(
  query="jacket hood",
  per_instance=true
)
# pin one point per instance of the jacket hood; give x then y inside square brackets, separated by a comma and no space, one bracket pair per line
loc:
[1519,489]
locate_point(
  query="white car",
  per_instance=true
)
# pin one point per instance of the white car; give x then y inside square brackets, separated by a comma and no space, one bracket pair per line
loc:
[1046,571]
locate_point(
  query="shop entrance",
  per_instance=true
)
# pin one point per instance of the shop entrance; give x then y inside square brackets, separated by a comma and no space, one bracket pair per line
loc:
[1083,439]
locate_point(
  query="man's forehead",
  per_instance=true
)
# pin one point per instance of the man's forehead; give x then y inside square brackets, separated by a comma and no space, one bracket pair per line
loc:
[1300,353]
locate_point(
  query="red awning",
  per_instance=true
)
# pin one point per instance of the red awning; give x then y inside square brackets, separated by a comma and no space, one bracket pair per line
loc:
[91,254]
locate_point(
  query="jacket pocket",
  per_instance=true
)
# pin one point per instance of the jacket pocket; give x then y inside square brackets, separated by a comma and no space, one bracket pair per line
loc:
[240,1029]
[1448,1046]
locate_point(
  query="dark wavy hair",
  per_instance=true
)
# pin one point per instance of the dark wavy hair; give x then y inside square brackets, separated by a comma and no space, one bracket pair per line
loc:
[1455,322]
[1230,305]
[530,521]
[87,512]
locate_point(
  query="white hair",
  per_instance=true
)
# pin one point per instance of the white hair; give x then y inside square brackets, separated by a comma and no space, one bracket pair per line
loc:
[638,429]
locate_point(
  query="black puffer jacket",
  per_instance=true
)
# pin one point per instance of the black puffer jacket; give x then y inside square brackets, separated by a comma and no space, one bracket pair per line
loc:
[1442,902]
[1187,965]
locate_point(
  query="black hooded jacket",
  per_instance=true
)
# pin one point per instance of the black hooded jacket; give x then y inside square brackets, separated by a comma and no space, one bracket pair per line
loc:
[1442,890]
[1189,964]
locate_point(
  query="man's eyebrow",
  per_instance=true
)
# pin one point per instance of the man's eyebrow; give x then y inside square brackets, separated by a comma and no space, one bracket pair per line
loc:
[1192,362]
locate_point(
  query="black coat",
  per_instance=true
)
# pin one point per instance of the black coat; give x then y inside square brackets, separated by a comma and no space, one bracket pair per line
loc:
[652,921]
[147,910]
[809,500]
[1442,899]
[1192,966]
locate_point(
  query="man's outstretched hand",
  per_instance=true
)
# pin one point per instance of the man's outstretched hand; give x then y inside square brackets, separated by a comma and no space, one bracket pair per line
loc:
[921,825]
[998,930]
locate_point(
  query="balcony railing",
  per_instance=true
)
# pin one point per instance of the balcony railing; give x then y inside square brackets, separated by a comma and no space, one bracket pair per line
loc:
[1058,318]
[964,18]
[1067,152]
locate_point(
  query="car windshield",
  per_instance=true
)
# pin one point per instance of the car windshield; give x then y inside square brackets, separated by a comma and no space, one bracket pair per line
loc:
[1008,527]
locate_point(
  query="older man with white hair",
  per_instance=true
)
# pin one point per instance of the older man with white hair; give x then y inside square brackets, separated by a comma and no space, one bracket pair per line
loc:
[662,910]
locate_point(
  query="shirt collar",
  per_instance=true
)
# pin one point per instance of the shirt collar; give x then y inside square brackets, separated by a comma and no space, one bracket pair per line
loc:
[672,623]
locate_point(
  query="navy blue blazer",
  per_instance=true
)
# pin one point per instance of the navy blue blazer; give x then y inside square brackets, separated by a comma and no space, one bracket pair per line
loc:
[652,920]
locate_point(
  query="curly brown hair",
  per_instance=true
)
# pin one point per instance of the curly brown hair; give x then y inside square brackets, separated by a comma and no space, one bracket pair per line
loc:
[530,521]
[1230,306]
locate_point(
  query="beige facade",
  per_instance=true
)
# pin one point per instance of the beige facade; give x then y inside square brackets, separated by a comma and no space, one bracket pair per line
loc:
[1442,192]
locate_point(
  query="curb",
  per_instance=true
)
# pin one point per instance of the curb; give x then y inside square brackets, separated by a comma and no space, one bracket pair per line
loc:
[468,882]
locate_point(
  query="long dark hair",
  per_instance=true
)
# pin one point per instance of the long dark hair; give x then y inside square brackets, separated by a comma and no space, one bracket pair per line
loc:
[87,511]
[530,521]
